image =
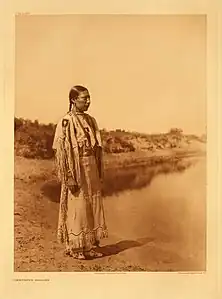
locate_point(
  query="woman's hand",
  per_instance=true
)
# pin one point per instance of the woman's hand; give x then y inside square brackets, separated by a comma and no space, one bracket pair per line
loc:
[72,185]
[74,189]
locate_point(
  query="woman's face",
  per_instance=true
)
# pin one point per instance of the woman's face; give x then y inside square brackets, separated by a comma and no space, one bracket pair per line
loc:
[83,101]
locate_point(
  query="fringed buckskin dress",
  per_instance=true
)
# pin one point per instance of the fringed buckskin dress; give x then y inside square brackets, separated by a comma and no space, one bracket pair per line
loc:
[78,147]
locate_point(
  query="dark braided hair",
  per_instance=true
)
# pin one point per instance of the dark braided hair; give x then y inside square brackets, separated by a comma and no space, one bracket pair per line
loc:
[74,93]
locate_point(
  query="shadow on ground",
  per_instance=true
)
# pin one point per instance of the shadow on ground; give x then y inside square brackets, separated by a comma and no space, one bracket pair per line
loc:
[121,246]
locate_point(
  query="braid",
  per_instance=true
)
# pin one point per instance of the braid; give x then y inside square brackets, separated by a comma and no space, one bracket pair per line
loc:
[70,106]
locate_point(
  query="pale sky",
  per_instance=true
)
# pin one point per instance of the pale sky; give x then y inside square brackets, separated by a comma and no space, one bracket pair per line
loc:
[144,73]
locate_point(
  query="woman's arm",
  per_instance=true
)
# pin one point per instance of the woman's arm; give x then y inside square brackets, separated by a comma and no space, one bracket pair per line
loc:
[99,149]
[62,157]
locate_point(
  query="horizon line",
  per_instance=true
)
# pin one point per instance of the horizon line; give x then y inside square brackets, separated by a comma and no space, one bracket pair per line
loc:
[113,129]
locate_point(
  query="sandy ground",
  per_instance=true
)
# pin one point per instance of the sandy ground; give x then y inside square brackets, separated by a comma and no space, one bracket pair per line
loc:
[160,227]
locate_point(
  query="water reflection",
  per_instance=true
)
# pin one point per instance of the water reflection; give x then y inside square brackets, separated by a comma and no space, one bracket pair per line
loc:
[125,178]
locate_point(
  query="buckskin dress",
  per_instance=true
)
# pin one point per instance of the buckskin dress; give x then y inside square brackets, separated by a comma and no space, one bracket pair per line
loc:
[78,151]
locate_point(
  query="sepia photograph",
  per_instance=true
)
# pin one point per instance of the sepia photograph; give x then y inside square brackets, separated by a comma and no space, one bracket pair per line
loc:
[110,143]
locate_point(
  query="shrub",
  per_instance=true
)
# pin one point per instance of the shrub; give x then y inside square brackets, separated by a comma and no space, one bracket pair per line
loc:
[34,140]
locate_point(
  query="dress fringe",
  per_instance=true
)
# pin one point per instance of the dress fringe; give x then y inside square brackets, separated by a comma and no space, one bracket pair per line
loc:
[84,241]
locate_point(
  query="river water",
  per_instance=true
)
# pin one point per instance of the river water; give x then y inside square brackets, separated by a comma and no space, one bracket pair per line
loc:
[164,222]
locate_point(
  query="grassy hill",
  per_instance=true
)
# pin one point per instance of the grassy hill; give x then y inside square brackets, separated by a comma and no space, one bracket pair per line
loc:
[34,140]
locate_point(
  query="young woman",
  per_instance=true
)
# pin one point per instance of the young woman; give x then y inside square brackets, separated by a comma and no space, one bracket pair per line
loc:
[78,150]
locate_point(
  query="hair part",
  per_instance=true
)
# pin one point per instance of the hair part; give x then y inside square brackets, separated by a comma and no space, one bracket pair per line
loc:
[74,93]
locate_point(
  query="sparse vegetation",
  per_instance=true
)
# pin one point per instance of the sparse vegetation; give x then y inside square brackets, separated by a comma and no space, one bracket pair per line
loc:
[34,140]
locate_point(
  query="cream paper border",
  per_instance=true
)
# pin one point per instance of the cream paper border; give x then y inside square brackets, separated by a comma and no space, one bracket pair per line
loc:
[130,285]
